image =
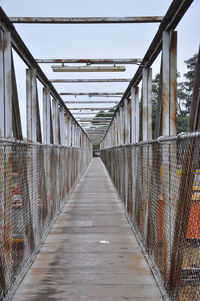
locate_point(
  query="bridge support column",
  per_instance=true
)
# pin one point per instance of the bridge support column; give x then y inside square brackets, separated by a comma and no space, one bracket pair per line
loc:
[147,104]
[5,85]
[135,115]
[55,121]
[168,109]
[46,116]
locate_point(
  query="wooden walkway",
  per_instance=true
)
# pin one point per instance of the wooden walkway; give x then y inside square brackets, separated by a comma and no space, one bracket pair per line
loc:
[91,253]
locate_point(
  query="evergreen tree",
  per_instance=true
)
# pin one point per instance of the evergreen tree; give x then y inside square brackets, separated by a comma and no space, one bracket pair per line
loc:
[187,85]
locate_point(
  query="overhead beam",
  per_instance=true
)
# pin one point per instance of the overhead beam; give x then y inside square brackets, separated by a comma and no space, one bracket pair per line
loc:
[93,94]
[82,119]
[92,101]
[90,61]
[86,68]
[85,113]
[91,109]
[91,80]
[88,113]
[99,125]
[87,20]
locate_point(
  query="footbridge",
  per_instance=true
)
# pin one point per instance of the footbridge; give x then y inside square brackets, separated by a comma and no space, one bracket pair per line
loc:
[122,226]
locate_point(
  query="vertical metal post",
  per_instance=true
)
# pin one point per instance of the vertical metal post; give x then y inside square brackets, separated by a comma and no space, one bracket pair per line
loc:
[173,82]
[121,126]
[133,115]
[129,122]
[2,87]
[169,65]
[5,85]
[168,128]
[125,113]
[8,85]
[62,127]
[33,105]
[147,103]
[66,129]
[72,127]
[118,127]
[70,131]
[28,104]
[46,116]
[55,120]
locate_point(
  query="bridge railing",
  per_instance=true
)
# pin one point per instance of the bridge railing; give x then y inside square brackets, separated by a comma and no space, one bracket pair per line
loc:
[35,183]
[159,185]
[37,173]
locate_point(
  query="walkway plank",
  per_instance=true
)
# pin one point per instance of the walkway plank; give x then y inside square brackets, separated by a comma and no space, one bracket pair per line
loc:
[91,253]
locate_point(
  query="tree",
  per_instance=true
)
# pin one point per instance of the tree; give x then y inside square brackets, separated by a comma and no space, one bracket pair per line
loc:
[184,96]
[104,114]
[187,86]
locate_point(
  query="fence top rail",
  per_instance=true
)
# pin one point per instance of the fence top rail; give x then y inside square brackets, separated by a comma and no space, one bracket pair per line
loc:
[4,142]
[160,140]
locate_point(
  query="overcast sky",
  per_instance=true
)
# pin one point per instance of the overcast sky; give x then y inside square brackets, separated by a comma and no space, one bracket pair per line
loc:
[96,41]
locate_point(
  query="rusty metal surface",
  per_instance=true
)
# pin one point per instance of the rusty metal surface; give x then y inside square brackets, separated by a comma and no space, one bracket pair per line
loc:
[91,80]
[90,20]
[90,61]
[91,101]
[159,184]
[89,68]
[91,253]
[91,108]
[92,93]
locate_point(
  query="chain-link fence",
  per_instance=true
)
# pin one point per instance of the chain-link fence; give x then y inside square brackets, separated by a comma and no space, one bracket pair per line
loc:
[35,182]
[159,185]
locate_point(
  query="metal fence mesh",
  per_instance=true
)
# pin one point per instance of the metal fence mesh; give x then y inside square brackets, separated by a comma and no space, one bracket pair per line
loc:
[159,185]
[35,182]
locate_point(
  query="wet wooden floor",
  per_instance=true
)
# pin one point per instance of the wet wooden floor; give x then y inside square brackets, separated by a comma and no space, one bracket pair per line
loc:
[91,253]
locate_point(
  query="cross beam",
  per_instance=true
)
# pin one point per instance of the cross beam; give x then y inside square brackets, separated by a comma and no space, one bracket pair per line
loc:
[88,68]
[87,20]
[90,61]
[93,93]
[91,80]
[91,101]
[91,109]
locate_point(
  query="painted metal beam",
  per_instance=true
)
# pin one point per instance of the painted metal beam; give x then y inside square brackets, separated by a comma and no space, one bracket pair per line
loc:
[90,61]
[91,80]
[6,92]
[89,113]
[87,20]
[91,109]
[91,101]
[86,68]
[93,93]
[93,119]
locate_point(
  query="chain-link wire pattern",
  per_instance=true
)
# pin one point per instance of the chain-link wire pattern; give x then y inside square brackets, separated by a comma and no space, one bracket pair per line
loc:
[159,185]
[35,183]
